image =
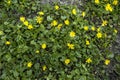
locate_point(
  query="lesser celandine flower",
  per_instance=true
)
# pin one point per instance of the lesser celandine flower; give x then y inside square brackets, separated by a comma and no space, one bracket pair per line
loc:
[70,46]
[22,18]
[86,28]
[89,60]
[104,23]
[87,42]
[9,2]
[30,26]
[54,23]
[56,7]
[93,28]
[72,34]
[108,7]
[67,22]
[7,43]
[37,51]
[97,1]
[67,61]
[43,46]
[74,11]
[41,13]
[39,19]
[99,35]
[98,29]
[115,31]
[29,64]
[107,61]
[25,23]
[83,14]
[59,26]
[115,2]
[44,68]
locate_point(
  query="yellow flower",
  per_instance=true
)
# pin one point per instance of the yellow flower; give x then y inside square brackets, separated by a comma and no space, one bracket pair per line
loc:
[98,30]
[108,7]
[107,61]
[29,64]
[87,42]
[41,13]
[115,2]
[67,61]
[115,31]
[56,7]
[39,19]
[54,23]
[74,11]
[7,43]
[44,68]
[22,18]
[99,35]
[67,22]
[37,51]
[93,28]
[86,28]
[30,27]
[104,23]
[59,26]
[83,14]
[25,23]
[89,60]
[9,2]
[97,1]
[43,46]
[72,34]
[70,46]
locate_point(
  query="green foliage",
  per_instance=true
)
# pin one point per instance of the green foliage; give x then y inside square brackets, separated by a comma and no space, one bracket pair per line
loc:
[59,42]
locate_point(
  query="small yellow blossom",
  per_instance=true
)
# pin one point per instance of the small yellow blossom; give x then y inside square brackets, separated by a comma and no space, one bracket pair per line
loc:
[9,2]
[67,61]
[43,46]
[59,26]
[86,28]
[89,60]
[97,1]
[67,22]
[56,7]
[83,14]
[108,7]
[25,23]
[7,43]
[41,13]
[39,19]
[107,61]
[104,23]
[22,18]
[98,29]
[74,11]
[37,51]
[87,42]
[30,27]
[115,2]
[54,23]
[99,35]
[29,64]
[93,28]
[70,46]
[72,34]
[44,68]
[115,31]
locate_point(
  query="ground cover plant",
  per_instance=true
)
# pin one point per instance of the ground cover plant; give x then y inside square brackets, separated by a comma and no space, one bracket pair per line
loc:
[58,42]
